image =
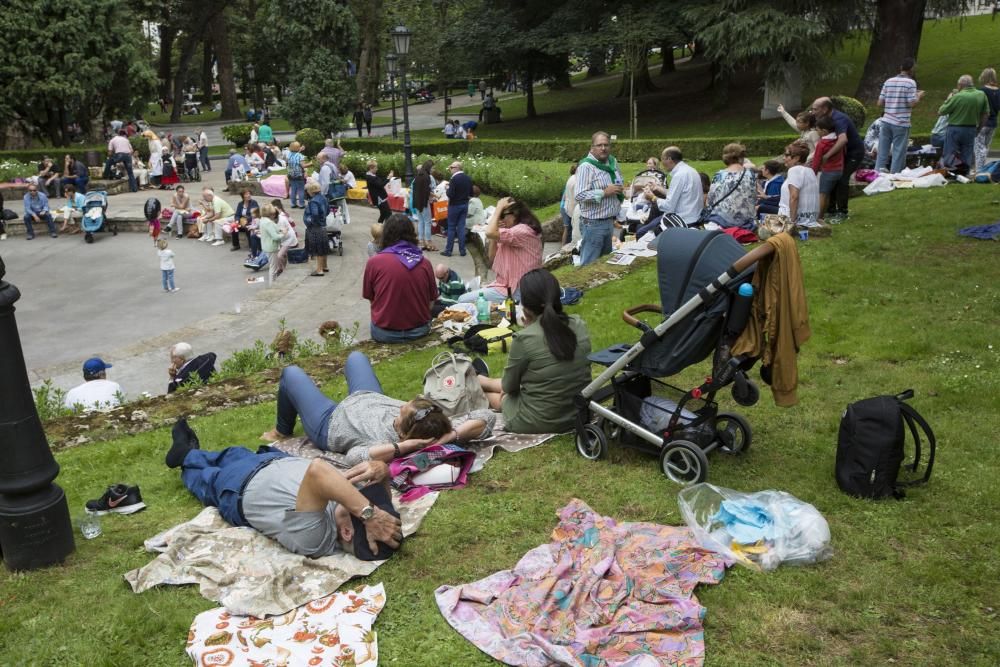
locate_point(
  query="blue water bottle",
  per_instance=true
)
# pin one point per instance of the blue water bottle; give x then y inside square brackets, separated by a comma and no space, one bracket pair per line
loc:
[739,311]
[482,308]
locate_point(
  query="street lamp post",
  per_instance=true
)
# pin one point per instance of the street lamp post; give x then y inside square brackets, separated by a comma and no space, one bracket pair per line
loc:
[391,64]
[401,40]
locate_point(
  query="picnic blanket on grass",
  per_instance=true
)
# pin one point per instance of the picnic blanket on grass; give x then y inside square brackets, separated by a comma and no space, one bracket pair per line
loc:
[484,449]
[601,593]
[333,630]
[250,574]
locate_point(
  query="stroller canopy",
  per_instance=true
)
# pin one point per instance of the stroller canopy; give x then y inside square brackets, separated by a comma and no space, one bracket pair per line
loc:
[687,260]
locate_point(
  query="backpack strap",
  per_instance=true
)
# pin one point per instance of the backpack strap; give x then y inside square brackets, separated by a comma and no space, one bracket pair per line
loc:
[913,419]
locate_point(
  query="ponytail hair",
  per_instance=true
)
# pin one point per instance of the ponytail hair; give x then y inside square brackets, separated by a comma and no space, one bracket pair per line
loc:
[540,293]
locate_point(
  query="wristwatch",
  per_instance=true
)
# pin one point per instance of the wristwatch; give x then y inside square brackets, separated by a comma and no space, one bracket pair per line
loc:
[367,513]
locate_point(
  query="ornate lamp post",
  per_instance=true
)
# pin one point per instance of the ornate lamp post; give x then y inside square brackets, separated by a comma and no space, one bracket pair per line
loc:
[392,65]
[35,529]
[401,40]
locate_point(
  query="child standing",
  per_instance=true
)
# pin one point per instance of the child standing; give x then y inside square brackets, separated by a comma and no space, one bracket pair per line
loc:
[166,266]
[830,171]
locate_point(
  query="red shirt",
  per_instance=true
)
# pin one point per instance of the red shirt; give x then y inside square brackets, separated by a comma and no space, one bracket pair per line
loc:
[519,250]
[835,163]
[401,298]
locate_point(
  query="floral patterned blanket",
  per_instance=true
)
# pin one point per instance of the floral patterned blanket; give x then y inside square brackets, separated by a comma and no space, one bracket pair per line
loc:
[600,594]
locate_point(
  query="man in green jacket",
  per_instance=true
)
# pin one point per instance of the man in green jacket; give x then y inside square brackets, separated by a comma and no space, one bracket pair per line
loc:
[967,109]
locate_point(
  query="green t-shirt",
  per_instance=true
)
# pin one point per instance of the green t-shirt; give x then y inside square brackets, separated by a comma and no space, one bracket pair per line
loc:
[539,389]
[265,134]
[966,107]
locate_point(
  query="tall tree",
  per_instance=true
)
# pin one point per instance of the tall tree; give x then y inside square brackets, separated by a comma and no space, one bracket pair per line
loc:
[370,21]
[227,81]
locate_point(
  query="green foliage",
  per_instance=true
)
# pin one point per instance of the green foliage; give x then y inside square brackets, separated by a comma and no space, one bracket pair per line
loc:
[323,95]
[11,169]
[49,401]
[238,134]
[36,154]
[246,361]
[311,139]
[855,109]
[141,144]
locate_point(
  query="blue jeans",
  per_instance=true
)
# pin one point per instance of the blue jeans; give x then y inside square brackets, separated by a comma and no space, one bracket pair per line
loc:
[46,218]
[424,224]
[167,276]
[392,336]
[216,478]
[892,139]
[126,159]
[79,182]
[596,239]
[567,221]
[960,139]
[297,191]
[203,158]
[298,396]
[456,227]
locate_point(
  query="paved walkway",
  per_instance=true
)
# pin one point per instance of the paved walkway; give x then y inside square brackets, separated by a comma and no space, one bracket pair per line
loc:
[105,299]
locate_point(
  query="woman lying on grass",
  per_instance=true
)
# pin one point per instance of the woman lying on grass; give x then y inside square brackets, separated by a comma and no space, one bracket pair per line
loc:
[368,426]
[547,366]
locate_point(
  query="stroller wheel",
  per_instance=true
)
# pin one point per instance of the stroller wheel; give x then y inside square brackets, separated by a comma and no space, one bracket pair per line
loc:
[340,249]
[745,391]
[733,433]
[88,237]
[591,443]
[114,230]
[684,462]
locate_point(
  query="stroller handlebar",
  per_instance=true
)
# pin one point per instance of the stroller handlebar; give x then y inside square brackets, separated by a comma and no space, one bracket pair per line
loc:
[751,258]
[628,315]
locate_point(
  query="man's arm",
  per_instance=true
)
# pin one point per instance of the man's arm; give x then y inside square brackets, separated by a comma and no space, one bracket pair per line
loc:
[835,150]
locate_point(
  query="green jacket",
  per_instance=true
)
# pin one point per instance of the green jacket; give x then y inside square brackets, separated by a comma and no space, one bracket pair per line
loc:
[270,237]
[539,389]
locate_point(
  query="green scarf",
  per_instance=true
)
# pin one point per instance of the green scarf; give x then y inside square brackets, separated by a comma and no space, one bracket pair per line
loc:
[610,167]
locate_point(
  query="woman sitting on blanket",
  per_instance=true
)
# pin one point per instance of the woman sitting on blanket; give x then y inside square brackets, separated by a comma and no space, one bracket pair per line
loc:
[547,365]
[368,425]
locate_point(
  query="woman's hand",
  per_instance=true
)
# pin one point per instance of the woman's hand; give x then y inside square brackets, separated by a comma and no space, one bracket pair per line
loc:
[368,472]
[504,202]
[450,436]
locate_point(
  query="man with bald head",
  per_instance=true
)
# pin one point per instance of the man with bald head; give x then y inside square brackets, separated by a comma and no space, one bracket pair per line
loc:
[967,110]
[599,194]
[850,143]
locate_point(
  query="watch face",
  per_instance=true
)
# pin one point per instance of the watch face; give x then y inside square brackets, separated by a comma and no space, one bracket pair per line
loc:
[367,513]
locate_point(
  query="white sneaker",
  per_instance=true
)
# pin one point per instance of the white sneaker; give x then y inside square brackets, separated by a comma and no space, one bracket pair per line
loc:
[202,238]
[176,289]
[3,237]
[219,242]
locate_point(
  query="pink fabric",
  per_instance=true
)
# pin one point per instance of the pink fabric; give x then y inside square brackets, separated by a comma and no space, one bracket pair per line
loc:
[519,250]
[601,593]
[402,470]
[274,186]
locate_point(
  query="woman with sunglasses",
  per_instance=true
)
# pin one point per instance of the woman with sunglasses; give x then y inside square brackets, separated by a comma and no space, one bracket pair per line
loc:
[368,427]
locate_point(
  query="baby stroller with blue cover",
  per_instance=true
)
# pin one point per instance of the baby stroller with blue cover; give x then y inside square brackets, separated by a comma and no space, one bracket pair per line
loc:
[94,219]
[704,311]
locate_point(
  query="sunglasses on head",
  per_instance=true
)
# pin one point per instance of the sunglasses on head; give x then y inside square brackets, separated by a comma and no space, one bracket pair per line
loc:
[421,414]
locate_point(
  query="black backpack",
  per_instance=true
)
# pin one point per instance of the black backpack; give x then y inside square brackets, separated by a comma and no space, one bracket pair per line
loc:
[870,448]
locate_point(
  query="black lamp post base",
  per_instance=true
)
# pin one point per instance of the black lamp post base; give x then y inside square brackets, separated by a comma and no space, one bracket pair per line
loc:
[35,529]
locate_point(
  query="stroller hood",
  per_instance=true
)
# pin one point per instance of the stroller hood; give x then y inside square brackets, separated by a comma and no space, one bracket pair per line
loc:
[687,260]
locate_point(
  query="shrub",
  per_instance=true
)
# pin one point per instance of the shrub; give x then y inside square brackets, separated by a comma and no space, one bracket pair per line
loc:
[237,134]
[11,169]
[854,109]
[311,139]
[141,144]
[247,361]
[49,401]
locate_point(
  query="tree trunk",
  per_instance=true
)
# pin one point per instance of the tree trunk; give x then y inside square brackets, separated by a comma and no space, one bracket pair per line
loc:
[667,51]
[596,62]
[188,46]
[224,55]
[529,88]
[368,61]
[52,127]
[167,35]
[561,80]
[719,86]
[643,82]
[277,92]
[206,73]
[896,35]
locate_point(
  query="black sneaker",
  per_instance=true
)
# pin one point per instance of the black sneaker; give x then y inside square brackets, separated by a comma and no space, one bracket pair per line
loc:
[119,499]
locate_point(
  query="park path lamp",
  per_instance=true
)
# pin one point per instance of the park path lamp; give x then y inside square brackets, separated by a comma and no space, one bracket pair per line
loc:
[392,66]
[35,528]
[258,107]
[401,40]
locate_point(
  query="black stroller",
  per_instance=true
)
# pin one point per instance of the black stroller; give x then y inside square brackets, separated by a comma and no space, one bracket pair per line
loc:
[705,312]
[191,171]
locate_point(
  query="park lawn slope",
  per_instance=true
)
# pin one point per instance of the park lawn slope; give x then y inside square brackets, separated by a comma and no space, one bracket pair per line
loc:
[897,300]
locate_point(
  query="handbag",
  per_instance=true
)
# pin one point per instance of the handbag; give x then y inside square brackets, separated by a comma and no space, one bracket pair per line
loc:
[705,216]
[774,224]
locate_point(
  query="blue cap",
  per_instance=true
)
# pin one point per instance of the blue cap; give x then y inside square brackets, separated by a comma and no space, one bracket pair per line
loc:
[94,365]
[746,289]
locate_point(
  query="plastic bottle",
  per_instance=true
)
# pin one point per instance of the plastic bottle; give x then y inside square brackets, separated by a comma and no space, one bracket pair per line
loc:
[739,311]
[509,309]
[482,308]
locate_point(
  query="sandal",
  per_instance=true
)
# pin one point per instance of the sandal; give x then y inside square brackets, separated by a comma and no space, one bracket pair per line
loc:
[317,275]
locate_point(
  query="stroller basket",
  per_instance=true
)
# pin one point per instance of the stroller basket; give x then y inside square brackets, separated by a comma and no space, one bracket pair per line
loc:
[659,407]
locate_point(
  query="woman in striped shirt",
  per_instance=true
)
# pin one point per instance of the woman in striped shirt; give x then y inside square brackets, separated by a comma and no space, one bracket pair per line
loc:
[515,247]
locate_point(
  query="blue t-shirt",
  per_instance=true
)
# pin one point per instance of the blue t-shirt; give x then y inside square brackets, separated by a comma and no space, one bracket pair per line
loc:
[842,124]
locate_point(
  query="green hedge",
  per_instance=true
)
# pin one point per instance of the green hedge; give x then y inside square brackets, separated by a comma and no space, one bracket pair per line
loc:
[238,134]
[312,140]
[36,154]
[625,150]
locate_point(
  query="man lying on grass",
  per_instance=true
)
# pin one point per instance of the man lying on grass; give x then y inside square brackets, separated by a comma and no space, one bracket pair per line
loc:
[305,504]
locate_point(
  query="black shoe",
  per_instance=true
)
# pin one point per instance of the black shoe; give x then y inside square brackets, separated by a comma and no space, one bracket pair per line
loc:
[118,499]
[481,367]
[184,441]
[233,249]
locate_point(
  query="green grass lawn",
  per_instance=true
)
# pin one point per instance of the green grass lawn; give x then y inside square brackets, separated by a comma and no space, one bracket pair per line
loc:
[682,107]
[897,300]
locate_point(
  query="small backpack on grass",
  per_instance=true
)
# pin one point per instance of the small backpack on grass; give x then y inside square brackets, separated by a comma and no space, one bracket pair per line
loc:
[452,382]
[870,447]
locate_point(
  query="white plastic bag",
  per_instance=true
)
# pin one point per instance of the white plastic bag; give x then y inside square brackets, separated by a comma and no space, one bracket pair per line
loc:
[930,181]
[880,184]
[759,530]
[394,186]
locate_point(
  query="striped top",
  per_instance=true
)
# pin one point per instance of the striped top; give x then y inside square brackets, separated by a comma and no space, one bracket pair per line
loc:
[898,95]
[519,250]
[590,184]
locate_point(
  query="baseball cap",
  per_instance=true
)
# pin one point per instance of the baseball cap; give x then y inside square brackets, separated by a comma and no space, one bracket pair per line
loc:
[379,496]
[94,365]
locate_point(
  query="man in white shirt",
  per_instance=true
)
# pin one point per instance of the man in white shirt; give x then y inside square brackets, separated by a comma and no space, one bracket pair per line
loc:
[96,392]
[203,151]
[684,196]
[120,150]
